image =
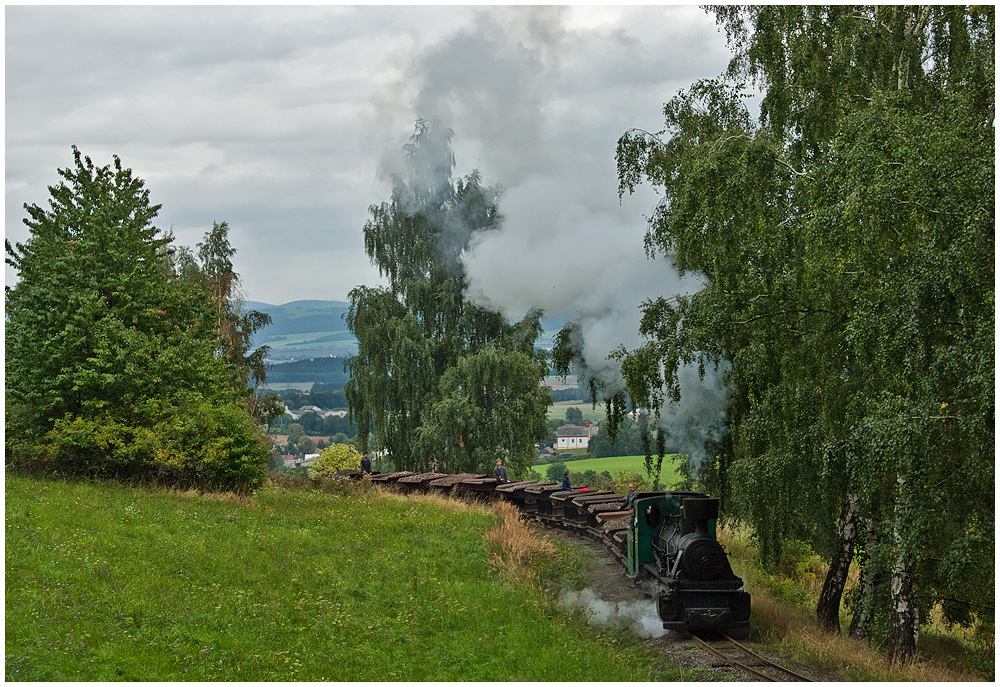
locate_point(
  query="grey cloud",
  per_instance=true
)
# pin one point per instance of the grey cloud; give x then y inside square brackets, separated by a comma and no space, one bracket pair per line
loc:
[275,118]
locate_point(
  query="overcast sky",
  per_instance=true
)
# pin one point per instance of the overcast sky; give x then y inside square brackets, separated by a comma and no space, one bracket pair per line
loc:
[279,120]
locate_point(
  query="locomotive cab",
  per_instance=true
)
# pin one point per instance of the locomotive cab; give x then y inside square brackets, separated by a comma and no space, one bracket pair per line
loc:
[674,556]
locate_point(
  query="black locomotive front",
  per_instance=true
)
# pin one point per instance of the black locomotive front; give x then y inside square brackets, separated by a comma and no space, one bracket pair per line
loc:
[674,556]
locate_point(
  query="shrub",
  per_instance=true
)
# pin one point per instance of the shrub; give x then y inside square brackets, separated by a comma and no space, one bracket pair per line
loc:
[627,477]
[601,480]
[555,472]
[333,458]
[195,445]
[800,563]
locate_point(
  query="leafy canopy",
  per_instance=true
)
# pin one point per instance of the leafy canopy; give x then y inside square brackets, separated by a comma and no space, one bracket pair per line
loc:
[334,458]
[440,380]
[110,358]
[847,239]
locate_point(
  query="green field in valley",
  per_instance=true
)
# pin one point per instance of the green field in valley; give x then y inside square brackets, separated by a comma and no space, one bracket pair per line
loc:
[285,386]
[558,410]
[616,464]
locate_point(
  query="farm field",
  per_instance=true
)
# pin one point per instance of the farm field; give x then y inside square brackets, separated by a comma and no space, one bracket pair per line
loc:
[305,329]
[284,386]
[616,464]
[558,410]
[119,583]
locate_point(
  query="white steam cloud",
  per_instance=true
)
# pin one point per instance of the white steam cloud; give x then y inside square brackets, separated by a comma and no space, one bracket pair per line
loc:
[701,415]
[568,245]
[638,616]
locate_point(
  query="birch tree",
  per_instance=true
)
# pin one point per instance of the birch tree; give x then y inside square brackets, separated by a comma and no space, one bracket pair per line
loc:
[440,380]
[847,241]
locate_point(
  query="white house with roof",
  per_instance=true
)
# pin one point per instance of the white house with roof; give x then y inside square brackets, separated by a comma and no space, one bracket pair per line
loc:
[573,436]
[296,414]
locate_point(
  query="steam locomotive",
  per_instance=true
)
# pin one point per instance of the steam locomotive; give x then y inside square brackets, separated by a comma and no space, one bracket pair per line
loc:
[674,556]
[666,540]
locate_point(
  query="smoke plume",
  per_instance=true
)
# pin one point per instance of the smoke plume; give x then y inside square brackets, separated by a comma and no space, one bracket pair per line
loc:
[638,616]
[567,244]
[700,417]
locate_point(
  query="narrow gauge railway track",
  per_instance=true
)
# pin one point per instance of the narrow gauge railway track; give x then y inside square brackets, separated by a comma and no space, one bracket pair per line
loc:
[765,670]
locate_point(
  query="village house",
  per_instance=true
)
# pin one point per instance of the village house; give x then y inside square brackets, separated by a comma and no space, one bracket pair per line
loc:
[297,462]
[573,436]
[296,414]
[545,451]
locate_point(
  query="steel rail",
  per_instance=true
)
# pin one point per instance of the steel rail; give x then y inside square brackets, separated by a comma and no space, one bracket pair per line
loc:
[772,664]
[732,661]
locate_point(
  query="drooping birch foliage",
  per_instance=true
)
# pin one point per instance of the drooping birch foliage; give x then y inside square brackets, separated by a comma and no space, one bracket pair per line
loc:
[438,380]
[847,237]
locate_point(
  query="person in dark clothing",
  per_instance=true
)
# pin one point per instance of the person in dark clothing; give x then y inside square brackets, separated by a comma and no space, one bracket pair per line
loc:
[500,472]
[565,483]
[366,464]
[632,493]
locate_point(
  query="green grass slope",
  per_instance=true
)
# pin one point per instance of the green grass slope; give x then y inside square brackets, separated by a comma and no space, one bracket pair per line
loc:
[615,464]
[115,583]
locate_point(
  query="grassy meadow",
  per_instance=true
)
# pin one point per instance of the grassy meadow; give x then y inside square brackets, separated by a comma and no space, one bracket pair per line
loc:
[558,410]
[616,464]
[118,583]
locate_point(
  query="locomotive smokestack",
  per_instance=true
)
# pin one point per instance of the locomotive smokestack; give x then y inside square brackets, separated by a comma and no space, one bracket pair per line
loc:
[700,511]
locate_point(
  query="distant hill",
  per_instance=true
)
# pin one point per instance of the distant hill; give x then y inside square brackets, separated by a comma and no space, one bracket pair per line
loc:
[305,329]
[316,329]
[302,374]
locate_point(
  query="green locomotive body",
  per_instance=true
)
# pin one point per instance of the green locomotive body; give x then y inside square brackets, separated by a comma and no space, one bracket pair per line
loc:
[673,555]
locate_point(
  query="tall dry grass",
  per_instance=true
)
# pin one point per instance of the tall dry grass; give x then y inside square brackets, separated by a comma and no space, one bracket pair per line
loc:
[515,547]
[448,502]
[799,635]
[796,632]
